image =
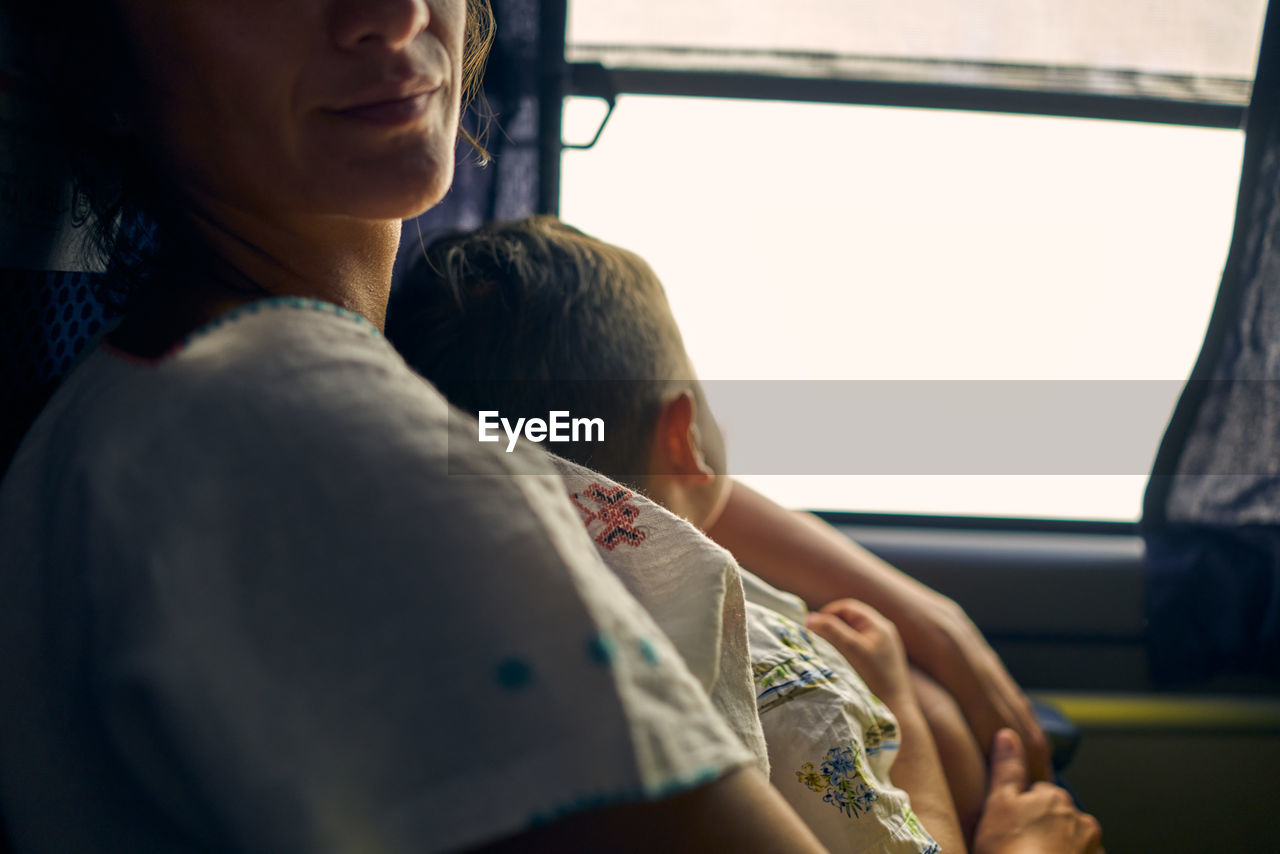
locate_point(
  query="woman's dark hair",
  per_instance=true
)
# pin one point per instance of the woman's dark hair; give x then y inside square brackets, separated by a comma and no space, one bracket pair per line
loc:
[87,75]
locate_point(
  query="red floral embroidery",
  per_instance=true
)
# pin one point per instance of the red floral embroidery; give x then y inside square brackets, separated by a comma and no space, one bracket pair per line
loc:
[615,514]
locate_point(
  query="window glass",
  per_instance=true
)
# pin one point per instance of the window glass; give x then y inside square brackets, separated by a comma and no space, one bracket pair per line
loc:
[803,242]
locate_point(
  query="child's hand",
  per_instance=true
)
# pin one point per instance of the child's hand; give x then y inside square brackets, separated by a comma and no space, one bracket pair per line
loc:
[1037,820]
[871,644]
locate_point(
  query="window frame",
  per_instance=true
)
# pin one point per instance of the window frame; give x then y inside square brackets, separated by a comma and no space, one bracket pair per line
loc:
[561,79]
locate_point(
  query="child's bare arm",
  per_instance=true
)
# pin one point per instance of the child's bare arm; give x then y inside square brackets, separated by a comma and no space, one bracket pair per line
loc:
[801,553]
[1016,818]
[872,645]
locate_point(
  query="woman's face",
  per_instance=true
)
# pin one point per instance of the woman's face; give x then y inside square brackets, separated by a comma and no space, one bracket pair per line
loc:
[330,107]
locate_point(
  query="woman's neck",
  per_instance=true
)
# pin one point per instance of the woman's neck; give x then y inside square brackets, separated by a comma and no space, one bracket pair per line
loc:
[340,260]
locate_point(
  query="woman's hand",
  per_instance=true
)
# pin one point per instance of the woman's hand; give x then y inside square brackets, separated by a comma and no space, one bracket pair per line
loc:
[1038,820]
[873,647]
[942,641]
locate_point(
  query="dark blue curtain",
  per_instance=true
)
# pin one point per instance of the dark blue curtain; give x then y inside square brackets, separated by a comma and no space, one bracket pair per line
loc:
[1212,511]
[506,119]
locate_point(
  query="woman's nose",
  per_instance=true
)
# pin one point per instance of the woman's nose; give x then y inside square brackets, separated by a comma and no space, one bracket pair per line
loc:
[395,23]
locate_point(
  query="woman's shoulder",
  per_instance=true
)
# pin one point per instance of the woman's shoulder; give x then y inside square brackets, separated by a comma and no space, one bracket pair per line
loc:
[324,531]
[283,378]
[295,358]
[295,397]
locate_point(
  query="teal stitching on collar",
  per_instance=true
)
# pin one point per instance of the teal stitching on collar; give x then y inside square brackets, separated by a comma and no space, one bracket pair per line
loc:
[306,303]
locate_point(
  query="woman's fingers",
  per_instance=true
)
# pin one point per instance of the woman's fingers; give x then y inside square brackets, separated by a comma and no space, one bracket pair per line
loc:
[991,700]
[1039,754]
[1011,708]
[1008,763]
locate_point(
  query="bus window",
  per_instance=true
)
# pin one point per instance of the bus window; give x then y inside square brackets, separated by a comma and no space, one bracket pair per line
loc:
[915,245]
[987,191]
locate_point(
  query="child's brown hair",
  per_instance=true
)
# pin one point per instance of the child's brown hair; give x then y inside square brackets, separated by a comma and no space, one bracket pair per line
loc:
[528,316]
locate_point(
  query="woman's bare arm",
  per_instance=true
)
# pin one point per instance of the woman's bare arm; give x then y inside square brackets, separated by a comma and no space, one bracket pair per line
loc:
[801,553]
[740,812]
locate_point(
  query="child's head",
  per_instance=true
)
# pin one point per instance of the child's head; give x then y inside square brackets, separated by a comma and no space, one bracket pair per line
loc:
[532,316]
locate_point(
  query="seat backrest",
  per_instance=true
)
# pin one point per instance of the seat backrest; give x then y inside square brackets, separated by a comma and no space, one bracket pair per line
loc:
[48,311]
[47,318]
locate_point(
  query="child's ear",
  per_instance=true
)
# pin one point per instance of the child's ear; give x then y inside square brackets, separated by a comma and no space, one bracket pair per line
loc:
[677,442]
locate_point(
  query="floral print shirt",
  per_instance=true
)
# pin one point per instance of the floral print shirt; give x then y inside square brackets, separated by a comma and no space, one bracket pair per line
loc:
[831,741]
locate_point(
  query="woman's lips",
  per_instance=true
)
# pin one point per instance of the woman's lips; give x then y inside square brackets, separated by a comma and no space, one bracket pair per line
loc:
[396,112]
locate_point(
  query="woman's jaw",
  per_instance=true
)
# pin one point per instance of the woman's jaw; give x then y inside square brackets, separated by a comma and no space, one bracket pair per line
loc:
[295,135]
[301,107]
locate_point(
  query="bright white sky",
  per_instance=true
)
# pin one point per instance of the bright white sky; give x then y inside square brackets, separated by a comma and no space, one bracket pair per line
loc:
[802,241]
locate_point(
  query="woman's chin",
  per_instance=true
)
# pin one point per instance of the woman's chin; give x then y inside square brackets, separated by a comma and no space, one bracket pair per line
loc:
[402,199]
[389,188]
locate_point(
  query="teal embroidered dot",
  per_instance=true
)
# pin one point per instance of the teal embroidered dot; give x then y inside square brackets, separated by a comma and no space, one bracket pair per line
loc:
[600,649]
[648,650]
[514,674]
